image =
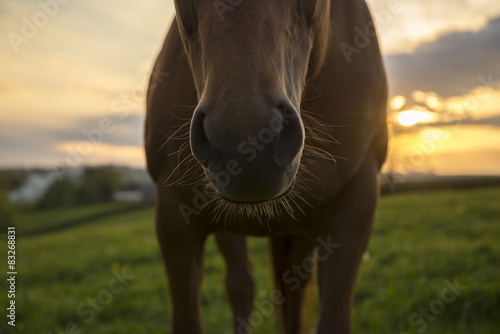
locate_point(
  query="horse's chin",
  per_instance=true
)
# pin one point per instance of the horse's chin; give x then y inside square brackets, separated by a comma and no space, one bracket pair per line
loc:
[259,201]
[261,186]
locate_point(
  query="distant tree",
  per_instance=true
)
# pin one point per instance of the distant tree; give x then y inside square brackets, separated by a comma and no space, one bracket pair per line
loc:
[60,194]
[99,183]
[10,179]
[7,213]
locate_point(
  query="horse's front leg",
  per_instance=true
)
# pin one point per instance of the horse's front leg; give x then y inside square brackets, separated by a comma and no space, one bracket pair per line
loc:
[239,279]
[293,261]
[350,222]
[182,249]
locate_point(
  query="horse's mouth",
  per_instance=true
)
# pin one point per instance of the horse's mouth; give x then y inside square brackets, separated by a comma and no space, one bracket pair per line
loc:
[286,192]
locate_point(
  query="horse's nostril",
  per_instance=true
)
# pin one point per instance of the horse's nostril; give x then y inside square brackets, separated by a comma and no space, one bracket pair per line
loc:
[200,145]
[248,155]
[291,137]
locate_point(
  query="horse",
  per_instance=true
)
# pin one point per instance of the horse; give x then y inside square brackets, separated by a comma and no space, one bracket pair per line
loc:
[267,118]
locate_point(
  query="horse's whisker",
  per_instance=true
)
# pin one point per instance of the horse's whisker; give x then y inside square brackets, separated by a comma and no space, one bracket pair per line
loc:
[318,134]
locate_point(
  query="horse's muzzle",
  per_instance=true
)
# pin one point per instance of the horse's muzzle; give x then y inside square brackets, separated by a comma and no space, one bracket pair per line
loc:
[249,159]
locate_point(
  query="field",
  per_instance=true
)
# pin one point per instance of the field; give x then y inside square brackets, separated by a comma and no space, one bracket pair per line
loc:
[423,243]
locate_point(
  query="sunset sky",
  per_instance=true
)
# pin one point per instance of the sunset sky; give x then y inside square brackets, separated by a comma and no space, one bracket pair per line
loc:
[68,69]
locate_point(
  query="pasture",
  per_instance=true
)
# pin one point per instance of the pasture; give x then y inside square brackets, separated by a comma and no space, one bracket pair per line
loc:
[106,275]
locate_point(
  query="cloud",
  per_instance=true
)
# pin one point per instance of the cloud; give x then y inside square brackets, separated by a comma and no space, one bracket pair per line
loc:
[125,132]
[491,121]
[451,65]
[420,21]
[85,59]
[45,146]
[82,59]
[29,146]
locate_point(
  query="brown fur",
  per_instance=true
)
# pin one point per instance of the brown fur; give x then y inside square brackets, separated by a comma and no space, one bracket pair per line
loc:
[291,47]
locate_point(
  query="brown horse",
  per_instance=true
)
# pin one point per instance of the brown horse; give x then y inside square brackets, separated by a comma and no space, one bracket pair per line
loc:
[244,101]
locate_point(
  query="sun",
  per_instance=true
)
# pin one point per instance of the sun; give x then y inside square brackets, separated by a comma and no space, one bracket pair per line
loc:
[412,117]
[408,117]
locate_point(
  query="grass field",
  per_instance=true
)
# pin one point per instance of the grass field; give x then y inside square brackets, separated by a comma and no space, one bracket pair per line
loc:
[421,241]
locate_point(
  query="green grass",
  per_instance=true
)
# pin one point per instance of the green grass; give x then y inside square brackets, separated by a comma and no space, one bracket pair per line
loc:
[39,220]
[420,240]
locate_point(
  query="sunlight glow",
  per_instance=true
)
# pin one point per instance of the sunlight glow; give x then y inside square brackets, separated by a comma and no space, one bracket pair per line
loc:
[412,117]
[397,102]
[419,96]
[433,102]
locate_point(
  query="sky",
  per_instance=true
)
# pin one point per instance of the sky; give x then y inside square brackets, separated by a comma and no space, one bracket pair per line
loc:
[73,78]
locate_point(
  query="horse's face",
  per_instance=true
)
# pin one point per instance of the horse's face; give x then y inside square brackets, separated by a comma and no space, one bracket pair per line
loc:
[250,60]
